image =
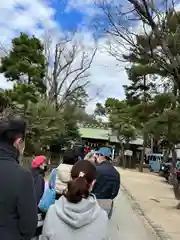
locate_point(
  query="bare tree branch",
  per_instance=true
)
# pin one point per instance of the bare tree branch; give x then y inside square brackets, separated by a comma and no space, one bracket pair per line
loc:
[123,38]
[157,27]
[3,50]
[69,69]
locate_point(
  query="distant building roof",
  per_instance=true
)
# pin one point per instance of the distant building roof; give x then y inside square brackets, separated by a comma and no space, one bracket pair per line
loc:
[137,141]
[88,131]
[94,133]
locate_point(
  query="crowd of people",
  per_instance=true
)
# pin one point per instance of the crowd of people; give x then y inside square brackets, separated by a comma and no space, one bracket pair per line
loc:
[78,199]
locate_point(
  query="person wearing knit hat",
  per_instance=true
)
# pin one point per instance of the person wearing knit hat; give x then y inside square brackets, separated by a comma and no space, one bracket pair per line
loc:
[39,162]
[38,168]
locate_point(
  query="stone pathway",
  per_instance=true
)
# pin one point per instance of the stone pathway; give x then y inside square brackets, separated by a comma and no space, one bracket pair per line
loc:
[126,223]
[156,199]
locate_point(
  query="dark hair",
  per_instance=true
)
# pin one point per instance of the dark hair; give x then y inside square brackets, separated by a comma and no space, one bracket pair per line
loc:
[70,157]
[78,187]
[11,127]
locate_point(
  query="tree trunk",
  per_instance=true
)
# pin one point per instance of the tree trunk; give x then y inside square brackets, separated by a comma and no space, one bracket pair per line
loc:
[127,158]
[144,135]
[152,144]
[122,155]
[142,154]
[172,179]
[166,154]
[25,108]
[56,96]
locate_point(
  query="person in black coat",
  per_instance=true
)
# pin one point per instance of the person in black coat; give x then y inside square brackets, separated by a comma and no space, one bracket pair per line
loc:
[38,169]
[107,183]
[18,208]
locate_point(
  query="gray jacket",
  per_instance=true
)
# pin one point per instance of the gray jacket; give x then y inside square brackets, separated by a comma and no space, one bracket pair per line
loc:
[85,220]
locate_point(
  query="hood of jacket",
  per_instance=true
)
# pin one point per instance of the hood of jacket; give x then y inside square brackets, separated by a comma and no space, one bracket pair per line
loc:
[63,177]
[80,214]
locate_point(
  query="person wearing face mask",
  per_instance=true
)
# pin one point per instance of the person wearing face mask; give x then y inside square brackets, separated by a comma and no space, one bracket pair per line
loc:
[107,183]
[38,169]
[18,207]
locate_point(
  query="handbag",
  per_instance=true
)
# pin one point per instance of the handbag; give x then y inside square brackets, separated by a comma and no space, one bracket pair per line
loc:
[47,200]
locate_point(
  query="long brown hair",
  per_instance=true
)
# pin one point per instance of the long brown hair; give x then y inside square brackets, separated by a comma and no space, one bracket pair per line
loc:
[83,173]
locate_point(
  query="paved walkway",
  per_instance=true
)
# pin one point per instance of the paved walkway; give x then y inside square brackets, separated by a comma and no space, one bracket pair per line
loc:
[156,199]
[126,223]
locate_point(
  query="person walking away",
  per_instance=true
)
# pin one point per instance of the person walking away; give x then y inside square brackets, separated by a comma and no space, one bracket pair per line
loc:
[107,183]
[38,169]
[77,215]
[18,208]
[70,157]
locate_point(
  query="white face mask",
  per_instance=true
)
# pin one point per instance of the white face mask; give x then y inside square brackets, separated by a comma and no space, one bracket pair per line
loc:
[43,167]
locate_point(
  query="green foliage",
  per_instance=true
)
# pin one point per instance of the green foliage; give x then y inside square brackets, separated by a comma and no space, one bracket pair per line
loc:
[165,127]
[149,60]
[44,124]
[163,102]
[70,118]
[157,52]
[164,124]
[25,67]
[19,94]
[157,113]
[154,68]
[120,118]
[5,100]
[23,93]
[100,110]
[78,98]
[25,62]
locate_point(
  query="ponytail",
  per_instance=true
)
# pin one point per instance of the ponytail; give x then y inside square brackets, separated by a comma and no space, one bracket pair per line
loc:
[83,173]
[77,189]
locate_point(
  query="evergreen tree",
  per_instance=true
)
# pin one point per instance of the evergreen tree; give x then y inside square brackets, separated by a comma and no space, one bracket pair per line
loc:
[26,62]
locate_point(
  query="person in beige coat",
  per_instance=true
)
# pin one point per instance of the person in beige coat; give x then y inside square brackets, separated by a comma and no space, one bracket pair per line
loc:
[63,171]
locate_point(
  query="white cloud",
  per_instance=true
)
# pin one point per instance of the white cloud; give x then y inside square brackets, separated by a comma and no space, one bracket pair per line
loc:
[107,76]
[85,6]
[27,15]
